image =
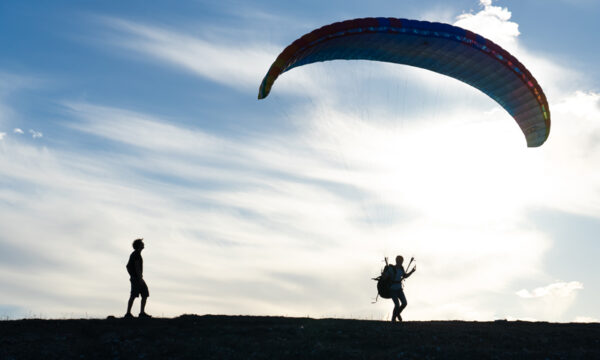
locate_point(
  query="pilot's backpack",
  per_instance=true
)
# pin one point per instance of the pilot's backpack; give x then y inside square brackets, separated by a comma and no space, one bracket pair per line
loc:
[384,284]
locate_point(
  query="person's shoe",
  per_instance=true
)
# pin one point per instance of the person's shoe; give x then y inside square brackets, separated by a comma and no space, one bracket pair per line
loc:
[400,318]
[144,315]
[128,316]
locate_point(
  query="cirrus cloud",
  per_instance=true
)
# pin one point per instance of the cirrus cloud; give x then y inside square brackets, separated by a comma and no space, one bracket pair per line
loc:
[559,289]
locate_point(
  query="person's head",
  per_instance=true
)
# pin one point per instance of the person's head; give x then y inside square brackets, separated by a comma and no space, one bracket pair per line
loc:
[138,244]
[399,260]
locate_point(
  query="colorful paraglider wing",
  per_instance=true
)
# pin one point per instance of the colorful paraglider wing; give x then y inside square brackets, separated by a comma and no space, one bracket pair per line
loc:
[442,48]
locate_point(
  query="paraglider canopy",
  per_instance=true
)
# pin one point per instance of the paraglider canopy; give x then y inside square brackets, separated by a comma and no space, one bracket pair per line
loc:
[442,48]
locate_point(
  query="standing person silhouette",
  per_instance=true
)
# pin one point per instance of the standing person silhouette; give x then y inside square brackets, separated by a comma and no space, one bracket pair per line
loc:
[397,274]
[135,268]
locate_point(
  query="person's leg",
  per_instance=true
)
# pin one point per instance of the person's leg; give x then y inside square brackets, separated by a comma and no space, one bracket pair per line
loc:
[145,293]
[143,305]
[396,312]
[402,298]
[132,295]
[130,304]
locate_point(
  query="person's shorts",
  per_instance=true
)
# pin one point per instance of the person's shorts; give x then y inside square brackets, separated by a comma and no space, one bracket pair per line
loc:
[139,287]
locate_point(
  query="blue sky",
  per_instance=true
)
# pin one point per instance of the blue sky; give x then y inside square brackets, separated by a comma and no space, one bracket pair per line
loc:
[128,119]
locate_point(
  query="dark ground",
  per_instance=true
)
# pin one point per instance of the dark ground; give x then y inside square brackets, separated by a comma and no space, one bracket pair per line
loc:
[250,337]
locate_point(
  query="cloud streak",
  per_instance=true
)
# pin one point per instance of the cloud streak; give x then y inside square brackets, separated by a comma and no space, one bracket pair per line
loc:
[35,134]
[237,65]
[238,61]
[560,289]
[551,301]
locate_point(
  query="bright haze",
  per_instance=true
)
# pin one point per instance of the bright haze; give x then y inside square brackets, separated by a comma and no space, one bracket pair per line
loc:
[134,119]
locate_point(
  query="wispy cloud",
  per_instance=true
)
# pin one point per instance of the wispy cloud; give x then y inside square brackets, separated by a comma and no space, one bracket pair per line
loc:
[10,87]
[550,301]
[233,64]
[559,289]
[238,61]
[35,134]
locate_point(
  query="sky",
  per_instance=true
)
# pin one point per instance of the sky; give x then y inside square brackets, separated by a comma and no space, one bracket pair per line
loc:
[134,119]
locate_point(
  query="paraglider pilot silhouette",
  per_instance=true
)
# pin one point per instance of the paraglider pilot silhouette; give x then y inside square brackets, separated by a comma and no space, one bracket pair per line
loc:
[394,275]
[135,268]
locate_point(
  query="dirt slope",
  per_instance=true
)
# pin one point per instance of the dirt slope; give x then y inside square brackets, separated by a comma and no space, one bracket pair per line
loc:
[249,337]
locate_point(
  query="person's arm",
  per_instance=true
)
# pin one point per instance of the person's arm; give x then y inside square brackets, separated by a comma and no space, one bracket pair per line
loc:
[411,272]
[138,268]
